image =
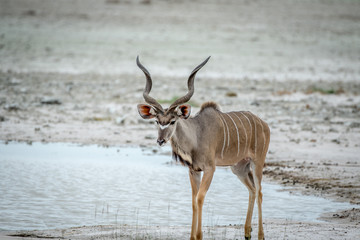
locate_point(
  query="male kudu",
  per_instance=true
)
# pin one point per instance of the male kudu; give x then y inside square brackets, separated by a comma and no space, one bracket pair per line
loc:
[211,138]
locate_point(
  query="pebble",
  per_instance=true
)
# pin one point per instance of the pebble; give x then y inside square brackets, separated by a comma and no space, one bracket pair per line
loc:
[51,101]
[150,137]
[120,120]
[15,81]
[354,125]
[255,103]
[307,128]
[12,107]
[333,130]
[231,94]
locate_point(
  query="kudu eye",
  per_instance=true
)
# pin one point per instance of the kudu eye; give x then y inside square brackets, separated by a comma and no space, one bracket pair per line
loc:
[157,122]
[172,122]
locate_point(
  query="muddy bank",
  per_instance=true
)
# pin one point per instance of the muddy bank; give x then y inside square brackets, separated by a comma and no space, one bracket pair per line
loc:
[274,229]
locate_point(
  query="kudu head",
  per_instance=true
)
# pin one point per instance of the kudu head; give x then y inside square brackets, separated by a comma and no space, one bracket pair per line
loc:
[166,119]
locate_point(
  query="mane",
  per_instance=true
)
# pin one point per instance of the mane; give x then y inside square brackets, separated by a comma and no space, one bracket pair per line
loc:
[180,155]
[209,105]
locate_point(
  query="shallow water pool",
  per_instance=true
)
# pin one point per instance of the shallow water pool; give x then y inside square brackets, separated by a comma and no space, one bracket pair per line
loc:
[61,185]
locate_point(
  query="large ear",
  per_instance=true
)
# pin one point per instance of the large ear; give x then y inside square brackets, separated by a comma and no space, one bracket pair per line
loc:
[184,111]
[146,111]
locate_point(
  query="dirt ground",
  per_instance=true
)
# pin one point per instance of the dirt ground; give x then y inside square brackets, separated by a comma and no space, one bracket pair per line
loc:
[68,74]
[274,229]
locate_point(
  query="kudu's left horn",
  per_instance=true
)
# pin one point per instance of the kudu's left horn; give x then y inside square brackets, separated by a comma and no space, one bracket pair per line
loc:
[191,89]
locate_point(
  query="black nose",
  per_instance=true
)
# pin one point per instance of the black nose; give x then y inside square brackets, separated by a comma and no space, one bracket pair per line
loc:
[160,141]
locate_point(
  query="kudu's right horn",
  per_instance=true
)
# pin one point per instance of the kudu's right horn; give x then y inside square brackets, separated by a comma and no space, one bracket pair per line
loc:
[147,89]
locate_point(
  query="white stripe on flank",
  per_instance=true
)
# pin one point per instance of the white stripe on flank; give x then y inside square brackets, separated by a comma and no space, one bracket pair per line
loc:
[246,137]
[228,133]
[164,126]
[263,133]
[249,124]
[237,131]
[222,152]
[254,135]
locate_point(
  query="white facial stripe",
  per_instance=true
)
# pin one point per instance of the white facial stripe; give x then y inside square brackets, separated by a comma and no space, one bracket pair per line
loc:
[164,126]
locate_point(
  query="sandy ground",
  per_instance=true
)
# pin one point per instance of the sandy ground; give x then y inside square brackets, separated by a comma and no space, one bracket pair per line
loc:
[68,74]
[275,229]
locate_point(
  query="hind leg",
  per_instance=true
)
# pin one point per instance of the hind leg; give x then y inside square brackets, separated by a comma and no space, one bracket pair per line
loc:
[243,172]
[257,173]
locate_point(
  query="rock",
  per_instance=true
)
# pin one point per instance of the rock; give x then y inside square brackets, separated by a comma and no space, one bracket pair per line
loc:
[255,103]
[146,2]
[120,120]
[295,140]
[231,94]
[333,130]
[2,119]
[307,127]
[354,125]
[150,137]
[31,13]
[14,81]
[51,101]
[12,107]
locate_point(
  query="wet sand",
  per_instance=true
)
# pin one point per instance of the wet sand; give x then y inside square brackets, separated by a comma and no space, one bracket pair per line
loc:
[68,74]
[274,229]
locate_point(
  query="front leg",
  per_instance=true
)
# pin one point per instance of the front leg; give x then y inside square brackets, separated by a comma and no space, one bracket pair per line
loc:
[204,186]
[195,183]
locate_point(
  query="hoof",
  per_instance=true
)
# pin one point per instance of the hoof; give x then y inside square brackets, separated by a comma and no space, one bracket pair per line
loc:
[247,238]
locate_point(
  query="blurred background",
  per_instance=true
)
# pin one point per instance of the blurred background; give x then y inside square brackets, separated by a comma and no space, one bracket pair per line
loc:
[257,39]
[68,74]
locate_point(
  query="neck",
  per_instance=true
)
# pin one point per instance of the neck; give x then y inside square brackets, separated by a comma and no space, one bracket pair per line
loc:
[185,133]
[184,140]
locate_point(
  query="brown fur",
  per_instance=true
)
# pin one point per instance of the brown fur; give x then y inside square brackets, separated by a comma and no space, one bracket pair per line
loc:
[180,155]
[212,138]
[209,105]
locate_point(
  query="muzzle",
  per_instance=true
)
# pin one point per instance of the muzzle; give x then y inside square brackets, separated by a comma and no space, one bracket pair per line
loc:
[161,142]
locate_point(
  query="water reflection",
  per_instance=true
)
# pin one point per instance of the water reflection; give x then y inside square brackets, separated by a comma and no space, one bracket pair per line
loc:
[60,185]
